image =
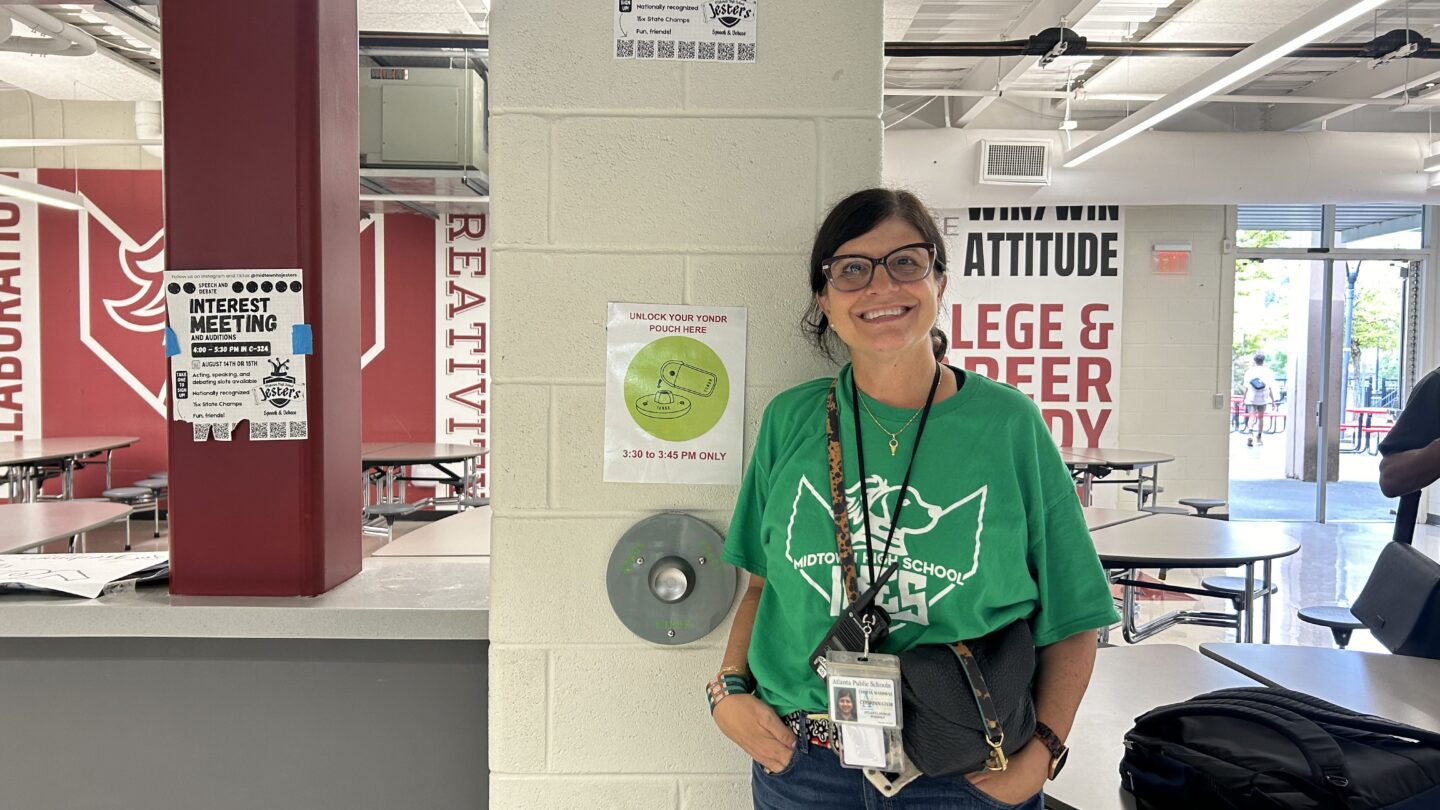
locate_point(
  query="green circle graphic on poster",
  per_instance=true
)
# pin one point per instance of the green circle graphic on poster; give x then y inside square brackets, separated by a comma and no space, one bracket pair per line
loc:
[676,389]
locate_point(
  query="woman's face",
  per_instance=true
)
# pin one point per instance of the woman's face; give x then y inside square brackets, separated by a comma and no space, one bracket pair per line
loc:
[884,317]
[847,706]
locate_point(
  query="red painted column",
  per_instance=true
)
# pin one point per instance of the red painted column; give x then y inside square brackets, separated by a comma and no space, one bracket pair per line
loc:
[261,172]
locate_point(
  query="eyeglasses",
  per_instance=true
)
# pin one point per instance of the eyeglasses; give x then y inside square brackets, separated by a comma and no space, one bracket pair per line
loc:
[905,264]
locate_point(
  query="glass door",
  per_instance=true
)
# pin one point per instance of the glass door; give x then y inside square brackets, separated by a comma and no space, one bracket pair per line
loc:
[1368,351]
[1274,387]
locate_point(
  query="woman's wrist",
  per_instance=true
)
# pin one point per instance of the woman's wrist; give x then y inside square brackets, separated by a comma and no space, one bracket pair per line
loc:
[725,684]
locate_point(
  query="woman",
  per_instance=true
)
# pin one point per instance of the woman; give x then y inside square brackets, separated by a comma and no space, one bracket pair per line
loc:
[991,531]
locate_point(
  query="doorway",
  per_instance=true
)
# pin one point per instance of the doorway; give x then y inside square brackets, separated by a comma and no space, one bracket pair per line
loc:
[1325,299]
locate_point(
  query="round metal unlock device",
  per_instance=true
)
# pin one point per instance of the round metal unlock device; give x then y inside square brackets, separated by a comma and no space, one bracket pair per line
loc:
[666,581]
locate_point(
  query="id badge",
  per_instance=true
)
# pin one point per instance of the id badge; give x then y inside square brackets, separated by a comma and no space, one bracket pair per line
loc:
[864,693]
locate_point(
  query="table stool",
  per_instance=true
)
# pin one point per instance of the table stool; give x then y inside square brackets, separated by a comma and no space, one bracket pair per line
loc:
[1202,506]
[161,488]
[1339,619]
[137,498]
[380,518]
[472,502]
[1233,588]
[1151,490]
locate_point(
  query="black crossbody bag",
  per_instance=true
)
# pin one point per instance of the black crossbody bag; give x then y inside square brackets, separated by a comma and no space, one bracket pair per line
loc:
[967,705]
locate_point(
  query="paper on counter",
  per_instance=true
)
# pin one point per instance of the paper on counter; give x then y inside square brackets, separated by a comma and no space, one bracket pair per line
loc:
[84,575]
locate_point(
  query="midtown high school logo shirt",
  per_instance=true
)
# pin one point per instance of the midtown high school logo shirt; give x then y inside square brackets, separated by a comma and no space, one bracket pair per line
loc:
[991,532]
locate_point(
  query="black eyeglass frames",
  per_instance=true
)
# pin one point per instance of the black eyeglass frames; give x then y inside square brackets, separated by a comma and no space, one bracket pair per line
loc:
[906,264]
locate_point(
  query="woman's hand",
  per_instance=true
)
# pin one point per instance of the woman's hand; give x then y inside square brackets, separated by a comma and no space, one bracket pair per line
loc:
[751,724]
[1025,776]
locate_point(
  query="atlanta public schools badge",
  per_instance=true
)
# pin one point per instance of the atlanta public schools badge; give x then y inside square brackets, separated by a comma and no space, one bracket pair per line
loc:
[729,14]
[278,388]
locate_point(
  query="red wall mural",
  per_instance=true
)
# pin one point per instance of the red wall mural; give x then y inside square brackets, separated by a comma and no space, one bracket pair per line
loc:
[101,308]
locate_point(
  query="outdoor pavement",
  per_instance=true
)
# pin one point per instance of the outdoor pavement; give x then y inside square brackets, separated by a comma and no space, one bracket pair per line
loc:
[1259,489]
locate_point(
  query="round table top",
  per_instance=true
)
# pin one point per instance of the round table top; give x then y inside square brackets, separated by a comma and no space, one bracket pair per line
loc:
[1178,541]
[1112,457]
[26,525]
[33,450]
[392,454]
[1368,410]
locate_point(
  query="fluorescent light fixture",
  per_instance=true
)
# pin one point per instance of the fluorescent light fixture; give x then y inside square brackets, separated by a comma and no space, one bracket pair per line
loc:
[1302,30]
[45,195]
[1432,160]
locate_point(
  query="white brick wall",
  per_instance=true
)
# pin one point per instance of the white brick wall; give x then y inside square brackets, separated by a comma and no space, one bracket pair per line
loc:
[1176,339]
[647,182]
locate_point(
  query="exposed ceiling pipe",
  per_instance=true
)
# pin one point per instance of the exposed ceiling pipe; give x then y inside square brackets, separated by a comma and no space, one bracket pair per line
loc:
[149,126]
[40,143]
[1081,97]
[428,198]
[60,38]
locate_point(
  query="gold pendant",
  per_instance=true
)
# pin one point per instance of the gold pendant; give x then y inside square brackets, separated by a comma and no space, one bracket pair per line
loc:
[894,445]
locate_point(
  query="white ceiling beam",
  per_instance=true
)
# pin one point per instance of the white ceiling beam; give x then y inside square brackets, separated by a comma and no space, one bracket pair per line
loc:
[1254,61]
[999,73]
[1357,81]
[899,14]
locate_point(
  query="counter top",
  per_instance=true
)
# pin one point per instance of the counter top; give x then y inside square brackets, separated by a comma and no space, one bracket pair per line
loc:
[431,598]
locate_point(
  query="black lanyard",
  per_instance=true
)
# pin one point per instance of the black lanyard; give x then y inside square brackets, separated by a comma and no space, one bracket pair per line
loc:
[904,486]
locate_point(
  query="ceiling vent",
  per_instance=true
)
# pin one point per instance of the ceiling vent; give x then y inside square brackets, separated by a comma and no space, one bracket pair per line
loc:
[1015,163]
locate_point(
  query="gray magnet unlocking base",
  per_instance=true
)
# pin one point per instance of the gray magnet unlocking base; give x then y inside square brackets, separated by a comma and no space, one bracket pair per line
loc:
[663,405]
[666,581]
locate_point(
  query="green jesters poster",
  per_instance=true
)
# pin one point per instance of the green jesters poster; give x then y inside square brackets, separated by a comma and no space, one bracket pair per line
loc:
[674,394]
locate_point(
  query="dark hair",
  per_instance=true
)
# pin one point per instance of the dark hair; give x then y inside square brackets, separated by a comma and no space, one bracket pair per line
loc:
[1260,358]
[855,216]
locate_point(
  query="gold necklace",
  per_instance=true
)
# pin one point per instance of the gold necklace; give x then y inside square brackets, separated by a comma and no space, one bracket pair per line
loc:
[894,436]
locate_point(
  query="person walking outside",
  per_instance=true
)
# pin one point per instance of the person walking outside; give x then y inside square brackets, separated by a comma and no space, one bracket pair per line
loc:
[1259,397]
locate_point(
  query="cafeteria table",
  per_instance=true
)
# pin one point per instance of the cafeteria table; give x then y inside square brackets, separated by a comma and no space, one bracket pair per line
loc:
[25,526]
[23,459]
[1127,682]
[1396,687]
[463,534]
[1182,541]
[388,457]
[1099,517]
[1089,462]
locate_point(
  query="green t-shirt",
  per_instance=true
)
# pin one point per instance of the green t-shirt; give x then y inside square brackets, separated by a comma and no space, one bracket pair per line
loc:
[993,531]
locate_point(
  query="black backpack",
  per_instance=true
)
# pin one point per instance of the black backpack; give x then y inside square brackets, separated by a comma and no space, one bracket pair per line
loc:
[1266,747]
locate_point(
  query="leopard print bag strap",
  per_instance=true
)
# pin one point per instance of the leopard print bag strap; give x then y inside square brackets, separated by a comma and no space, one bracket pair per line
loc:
[843,544]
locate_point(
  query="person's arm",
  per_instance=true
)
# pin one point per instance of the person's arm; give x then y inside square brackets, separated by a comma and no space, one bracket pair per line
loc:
[1409,470]
[1063,675]
[745,719]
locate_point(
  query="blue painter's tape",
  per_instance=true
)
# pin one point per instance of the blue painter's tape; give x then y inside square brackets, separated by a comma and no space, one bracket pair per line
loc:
[172,343]
[301,341]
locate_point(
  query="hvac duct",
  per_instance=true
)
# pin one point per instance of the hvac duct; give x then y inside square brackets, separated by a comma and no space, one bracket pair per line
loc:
[60,38]
[149,126]
[1174,168]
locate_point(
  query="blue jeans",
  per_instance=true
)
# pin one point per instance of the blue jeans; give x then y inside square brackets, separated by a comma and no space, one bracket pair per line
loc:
[815,778]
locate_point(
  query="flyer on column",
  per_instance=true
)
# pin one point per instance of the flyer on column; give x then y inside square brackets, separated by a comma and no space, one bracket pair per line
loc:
[674,394]
[237,341]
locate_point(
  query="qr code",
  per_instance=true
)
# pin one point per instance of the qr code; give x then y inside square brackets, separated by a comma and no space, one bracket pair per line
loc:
[221,431]
[725,51]
[687,50]
[665,49]
[299,430]
[201,431]
[259,430]
[624,48]
[645,49]
[747,52]
[707,52]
